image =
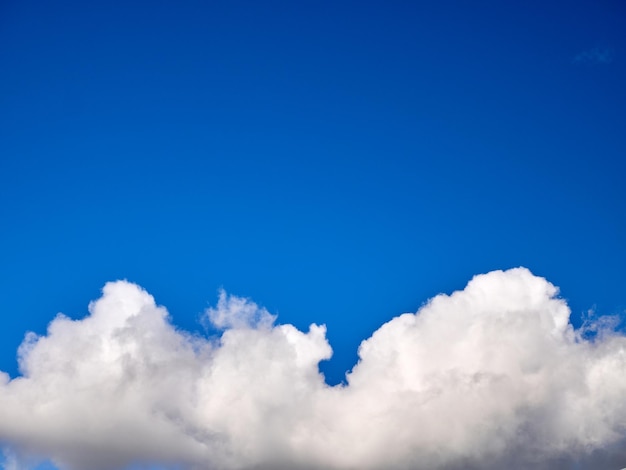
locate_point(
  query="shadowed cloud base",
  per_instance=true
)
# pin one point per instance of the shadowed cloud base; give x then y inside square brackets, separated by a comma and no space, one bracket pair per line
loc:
[490,376]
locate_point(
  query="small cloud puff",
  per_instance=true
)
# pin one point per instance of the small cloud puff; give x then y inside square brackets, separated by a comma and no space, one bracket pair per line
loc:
[493,376]
[594,56]
[237,312]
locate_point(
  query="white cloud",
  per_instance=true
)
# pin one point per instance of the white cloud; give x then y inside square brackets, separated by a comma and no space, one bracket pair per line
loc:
[493,376]
[235,312]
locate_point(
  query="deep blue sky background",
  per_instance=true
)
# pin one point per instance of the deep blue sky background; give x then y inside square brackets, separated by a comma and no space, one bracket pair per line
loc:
[337,162]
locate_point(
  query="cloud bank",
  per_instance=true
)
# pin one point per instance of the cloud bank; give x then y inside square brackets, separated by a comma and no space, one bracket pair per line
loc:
[492,376]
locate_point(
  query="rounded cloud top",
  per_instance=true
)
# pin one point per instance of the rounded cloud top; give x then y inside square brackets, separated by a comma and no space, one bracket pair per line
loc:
[491,376]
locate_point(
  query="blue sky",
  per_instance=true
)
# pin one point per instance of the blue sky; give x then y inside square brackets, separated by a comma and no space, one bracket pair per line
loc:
[337,162]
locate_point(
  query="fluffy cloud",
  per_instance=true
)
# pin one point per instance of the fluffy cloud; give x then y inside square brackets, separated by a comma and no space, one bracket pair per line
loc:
[492,376]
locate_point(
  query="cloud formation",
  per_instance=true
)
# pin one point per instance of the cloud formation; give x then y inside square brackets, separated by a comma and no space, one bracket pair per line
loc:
[492,376]
[594,56]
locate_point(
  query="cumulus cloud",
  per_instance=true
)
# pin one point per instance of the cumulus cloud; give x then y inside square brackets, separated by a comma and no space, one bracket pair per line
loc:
[493,376]
[236,312]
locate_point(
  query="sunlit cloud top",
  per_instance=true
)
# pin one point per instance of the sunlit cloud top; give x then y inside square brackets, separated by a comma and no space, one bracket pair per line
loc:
[491,376]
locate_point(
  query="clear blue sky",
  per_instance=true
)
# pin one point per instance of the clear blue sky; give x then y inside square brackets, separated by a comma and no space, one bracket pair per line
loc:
[337,162]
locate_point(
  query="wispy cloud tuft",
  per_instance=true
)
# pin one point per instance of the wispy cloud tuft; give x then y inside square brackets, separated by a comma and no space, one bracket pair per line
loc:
[237,312]
[594,56]
[493,376]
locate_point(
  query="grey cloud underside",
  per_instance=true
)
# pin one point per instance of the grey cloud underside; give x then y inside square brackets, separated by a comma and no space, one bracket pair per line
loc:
[492,376]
